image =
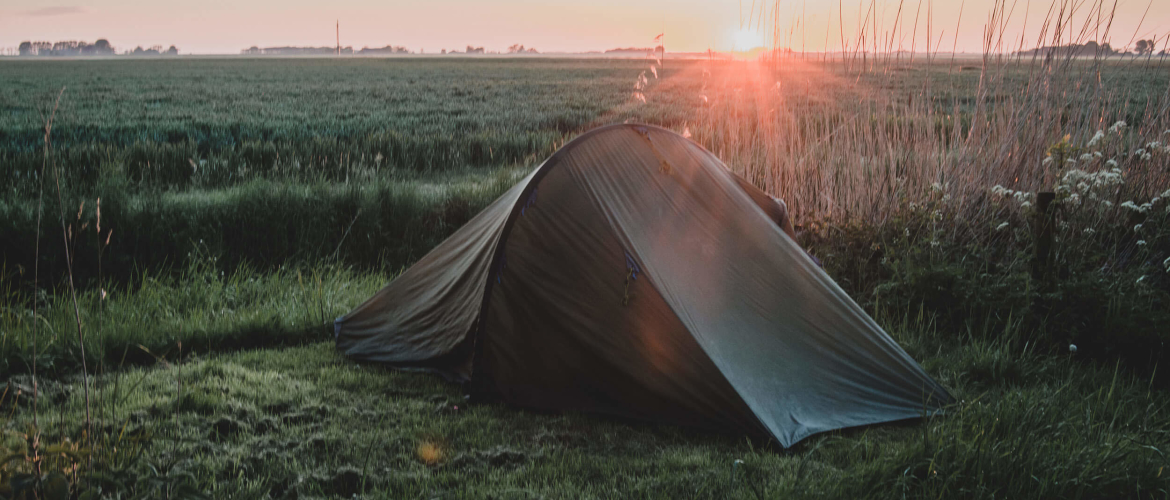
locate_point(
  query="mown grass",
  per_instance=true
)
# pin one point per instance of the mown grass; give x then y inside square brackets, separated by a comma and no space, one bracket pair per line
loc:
[304,422]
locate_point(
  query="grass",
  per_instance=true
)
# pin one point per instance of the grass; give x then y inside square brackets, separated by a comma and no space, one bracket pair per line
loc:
[306,422]
[373,224]
[215,123]
[205,309]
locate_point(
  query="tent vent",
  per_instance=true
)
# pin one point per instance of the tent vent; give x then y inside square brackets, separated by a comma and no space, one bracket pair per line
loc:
[632,266]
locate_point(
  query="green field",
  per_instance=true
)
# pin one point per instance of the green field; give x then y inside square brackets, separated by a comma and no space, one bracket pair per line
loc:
[254,200]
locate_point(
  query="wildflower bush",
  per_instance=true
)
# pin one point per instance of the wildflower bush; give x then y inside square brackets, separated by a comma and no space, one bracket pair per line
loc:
[1105,287]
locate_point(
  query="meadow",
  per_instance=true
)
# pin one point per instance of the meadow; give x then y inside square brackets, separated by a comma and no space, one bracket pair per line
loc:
[252,201]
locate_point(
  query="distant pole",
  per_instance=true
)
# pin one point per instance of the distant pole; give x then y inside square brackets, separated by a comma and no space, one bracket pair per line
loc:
[338,38]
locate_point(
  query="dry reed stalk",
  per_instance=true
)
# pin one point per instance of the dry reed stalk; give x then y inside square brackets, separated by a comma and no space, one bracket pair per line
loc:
[69,267]
[863,152]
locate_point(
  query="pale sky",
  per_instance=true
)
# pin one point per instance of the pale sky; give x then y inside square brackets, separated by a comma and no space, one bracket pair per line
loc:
[227,26]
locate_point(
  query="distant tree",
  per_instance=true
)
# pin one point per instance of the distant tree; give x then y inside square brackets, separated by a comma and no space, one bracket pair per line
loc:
[26,49]
[444,51]
[515,48]
[102,46]
[474,50]
[173,51]
[1144,47]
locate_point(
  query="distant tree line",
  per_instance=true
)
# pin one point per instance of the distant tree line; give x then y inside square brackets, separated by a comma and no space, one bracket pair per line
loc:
[294,51]
[395,49]
[1091,49]
[519,49]
[155,50]
[68,48]
[322,51]
[101,47]
[634,49]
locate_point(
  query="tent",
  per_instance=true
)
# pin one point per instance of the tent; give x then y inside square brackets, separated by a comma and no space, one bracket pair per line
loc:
[632,274]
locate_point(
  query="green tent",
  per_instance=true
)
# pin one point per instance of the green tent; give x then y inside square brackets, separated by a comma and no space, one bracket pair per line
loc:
[632,274]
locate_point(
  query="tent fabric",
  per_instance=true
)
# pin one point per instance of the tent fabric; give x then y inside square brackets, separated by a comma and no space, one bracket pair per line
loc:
[632,274]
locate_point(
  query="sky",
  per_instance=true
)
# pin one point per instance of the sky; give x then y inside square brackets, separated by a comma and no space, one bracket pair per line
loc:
[227,26]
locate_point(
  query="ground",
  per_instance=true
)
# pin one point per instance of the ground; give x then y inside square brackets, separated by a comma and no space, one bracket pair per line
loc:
[251,202]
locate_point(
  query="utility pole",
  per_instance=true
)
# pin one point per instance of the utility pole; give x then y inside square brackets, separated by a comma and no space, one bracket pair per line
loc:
[338,38]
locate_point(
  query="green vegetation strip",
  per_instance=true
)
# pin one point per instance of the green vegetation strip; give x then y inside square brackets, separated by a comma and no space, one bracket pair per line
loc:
[377,225]
[214,123]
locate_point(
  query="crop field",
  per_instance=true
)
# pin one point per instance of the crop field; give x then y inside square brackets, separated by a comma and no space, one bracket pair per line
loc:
[245,203]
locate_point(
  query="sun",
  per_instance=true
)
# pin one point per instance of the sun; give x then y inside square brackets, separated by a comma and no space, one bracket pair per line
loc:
[745,39]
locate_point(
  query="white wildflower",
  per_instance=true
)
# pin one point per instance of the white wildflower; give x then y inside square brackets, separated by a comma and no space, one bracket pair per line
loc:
[1001,227]
[946,197]
[1140,280]
[1070,161]
[934,243]
[1155,200]
[1072,348]
[1086,157]
[1111,163]
[937,215]
[1096,139]
[1117,127]
[1147,156]
[1107,203]
[1139,152]
[1141,243]
[1165,194]
[1089,231]
[1137,228]
[1097,154]
[1026,205]
[1146,207]
[936,187]
[1073,199]
[1166,264]
[1047,161]
[1074,175]
[1082,187]
[1141,209]
[1153,145]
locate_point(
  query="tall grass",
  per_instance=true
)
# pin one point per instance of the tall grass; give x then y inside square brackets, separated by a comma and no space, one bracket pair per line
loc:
[915,176]
[382,224]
